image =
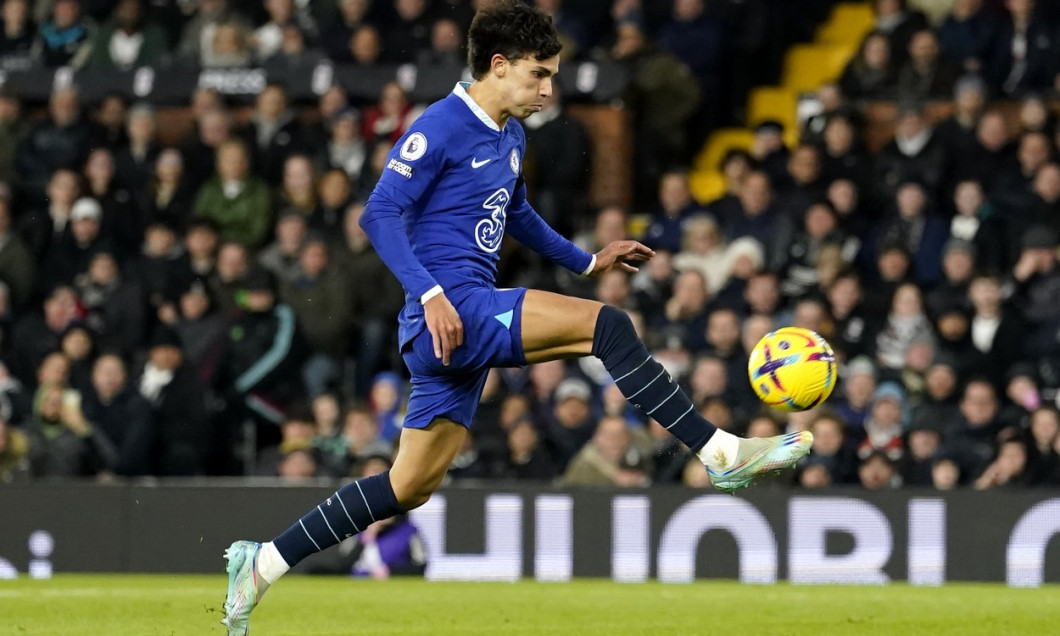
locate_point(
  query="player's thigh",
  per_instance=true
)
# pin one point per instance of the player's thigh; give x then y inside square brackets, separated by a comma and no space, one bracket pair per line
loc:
[556,326]
[424,456]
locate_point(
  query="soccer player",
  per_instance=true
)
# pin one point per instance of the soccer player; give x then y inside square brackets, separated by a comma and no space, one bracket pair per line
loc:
[451,189]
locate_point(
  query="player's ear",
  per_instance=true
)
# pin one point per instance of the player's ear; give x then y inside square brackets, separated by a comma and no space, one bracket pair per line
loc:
[499,65]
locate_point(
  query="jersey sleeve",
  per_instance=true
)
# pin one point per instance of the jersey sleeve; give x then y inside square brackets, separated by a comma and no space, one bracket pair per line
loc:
[412,168]
[416,162]
[526,226]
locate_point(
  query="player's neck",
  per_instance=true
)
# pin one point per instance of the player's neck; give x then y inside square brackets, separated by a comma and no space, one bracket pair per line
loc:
[487,99]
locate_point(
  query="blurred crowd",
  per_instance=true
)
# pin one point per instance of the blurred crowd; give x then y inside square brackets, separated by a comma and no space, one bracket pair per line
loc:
[211,306]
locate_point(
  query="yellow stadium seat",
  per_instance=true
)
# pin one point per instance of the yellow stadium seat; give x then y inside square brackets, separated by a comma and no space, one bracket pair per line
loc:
[848,24]
[722,141]
[706,185]
[772,102]
[807,66]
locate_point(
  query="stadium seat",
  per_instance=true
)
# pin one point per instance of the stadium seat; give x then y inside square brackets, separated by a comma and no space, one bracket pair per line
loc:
[722,141]
[773,102]
[848,24]
[807,66]
[706,185]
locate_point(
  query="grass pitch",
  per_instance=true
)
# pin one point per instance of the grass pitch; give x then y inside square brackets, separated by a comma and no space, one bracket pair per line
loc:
[124,605]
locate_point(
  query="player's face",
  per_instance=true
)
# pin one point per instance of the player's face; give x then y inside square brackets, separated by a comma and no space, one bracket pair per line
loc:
[529,84]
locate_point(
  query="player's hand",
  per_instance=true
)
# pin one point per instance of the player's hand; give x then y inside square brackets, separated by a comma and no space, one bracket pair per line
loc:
[617,253]
[447,330]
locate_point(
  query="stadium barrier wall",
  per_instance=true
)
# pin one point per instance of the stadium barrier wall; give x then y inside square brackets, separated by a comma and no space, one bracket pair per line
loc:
[506,533]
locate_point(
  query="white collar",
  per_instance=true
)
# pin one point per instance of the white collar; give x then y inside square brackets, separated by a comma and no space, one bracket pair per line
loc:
[460,90]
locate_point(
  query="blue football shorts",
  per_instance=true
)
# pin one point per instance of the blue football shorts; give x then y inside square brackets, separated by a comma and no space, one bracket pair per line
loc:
[492,338]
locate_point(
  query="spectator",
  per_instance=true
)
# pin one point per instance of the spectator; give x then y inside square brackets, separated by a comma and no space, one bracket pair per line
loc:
[62,441]
[201,330]
[917,229]
[230,47]
[997,332]
[388,405]
[376,297]
[157,270]
[178,408]
[1008,469]
[857,388]
[264,352]
[759,219]
[361,438]
[1036,277]
[686,311]
[945,473]
[409,33]
[957,132]
[197,40]
[297,432]
[121,415]
[200,247]
[899,23]
[610,458]
[13,129]
[273,133]
[972,436]
[769,150]
[926,75]
[366,46]
[696,38]
[1044,463]
[18,267]
[346,149]
[1045,198]
[906,323]
[525,458]
[924,441]
[320,300]
[914,151]
[298,192]
[976,223]
[1024,51]
[14,454]
[214,128]
[938,402]
[38,335]
[958,266]
[127,40]
[333,197]
[135,161]
[16,35]
[69,256]
[61,142]
[662,97]
[967,35]
[703,251]
[841,156]
[831,451]
[447,46]
[336,37]
[269,38]
[1035,115]
[869,75]
[820,230]
[235,200]
[990,154]
[168,197]
[573,32]
[226,281]
[121,222]
[1012,193]
[66,38]
[115,308]
[877,472]
[570,425]
[390,117]
[280,257]
[558,151]
[884,424]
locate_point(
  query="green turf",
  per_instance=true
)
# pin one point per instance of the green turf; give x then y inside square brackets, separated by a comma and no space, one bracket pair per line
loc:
[120,605]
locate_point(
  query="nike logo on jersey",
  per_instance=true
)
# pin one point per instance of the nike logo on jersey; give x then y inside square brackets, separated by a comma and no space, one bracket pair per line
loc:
[476,164]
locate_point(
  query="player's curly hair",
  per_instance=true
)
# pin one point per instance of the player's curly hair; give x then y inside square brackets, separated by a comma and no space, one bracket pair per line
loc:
[513,29]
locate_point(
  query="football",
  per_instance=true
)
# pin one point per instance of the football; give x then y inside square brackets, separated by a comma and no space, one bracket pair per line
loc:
[792,369]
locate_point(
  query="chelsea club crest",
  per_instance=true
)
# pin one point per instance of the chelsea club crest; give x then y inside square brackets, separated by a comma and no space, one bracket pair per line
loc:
[513,161]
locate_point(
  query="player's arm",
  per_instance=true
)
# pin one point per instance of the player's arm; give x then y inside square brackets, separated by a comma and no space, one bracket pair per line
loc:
[527,227]
[409,172]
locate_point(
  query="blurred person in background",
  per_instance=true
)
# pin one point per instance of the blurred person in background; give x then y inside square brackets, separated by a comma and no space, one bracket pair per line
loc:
[297,432]
[200,153]
[856,390]
[168,196]
[202,331]
[877,472]
[1044,437]
[114,307]
[14,126]
[235,200]
[118,411]
[447,46]
[884,426]
[281,256]
[197,39]
[298,191]
[914,152]
[802,184]
[831,451]
[1036,280]
[60,142]
[662,96]
[558,164]
[971,437]
[17,34]
[610,458]
[78,344]
[409,32]
[135,161]
[926,74]
[1024,51]
[320,299]
[388,401]
[957,132]
[571,424]
[526,458]
[62,442]
[37,335]
[18,267]
[365,46]
[958,267]
[853,328]
[945,473]
[906,323]
[346,148]
[376,297]
[335,36]
[390,116]
[1009,469]
[975,222]
[896,20]
[967,34]
[997,331]
[760,219]
[923,441]
[66,38]
[14,454]
[273,133]
[870,75]
[675,207]
[334,196]
[268,39]
[179,411]
[127,40]
[938,403]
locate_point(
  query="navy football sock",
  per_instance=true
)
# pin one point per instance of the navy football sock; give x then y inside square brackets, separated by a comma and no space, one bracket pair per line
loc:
[350,510]
[644,382]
